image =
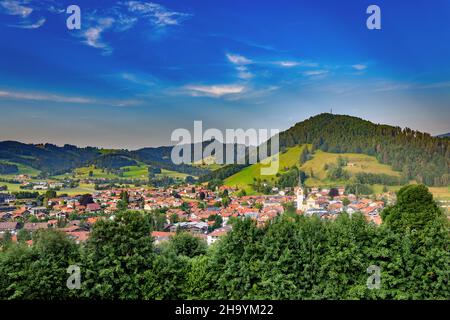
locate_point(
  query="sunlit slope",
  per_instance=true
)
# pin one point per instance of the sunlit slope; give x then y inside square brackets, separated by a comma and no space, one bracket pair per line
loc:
[245,177]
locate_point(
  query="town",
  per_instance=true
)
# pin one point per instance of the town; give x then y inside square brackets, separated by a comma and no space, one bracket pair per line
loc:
[196,209]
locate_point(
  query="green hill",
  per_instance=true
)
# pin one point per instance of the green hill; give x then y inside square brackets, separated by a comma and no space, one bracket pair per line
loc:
[315,169]
[245,177]
[18,168]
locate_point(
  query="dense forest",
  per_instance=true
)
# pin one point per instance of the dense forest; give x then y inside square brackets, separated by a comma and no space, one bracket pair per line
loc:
[292,257]
[6,168]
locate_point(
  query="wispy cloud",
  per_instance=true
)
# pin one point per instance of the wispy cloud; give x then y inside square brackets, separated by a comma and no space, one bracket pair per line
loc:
[50,97]
[125,16]
[287,64]
[238,59]
[35,25]
[293,63]
[43,97]
[243,73]
[156,13]
[241,63]
[315,73]
[16,8]
[137,79]
[93,35]
[359,67]
[32,14]
[384,86]
[215,90]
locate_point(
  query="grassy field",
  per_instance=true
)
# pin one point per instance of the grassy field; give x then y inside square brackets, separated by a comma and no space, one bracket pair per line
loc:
[81,189]
[245,177]
[12,187]
[23,169]
[136,172]
[208,163]
[132,172]
[139,171]
[172,174]
[440,193]
[357,163]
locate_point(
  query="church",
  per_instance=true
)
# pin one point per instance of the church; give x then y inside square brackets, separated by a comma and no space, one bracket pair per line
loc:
[303,202]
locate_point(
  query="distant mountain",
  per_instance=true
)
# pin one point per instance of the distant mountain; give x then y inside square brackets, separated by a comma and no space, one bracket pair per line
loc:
[415,154]
[445,135]
[52,159]
[47,157]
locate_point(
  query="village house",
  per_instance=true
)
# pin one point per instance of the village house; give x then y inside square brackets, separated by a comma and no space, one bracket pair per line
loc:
[11,227]
[31,227]
[216,235]
[161,236]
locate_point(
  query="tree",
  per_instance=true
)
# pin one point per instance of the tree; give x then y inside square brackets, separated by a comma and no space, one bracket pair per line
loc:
[50,194]
[415,208]
[116,256]
[6,239]
[345,202]
[86,199]
[333,192]
[39,272]
[124,197]
[185,244]
[23,235]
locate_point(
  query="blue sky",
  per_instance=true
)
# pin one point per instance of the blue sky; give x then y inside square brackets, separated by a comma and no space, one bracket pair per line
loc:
[138,70]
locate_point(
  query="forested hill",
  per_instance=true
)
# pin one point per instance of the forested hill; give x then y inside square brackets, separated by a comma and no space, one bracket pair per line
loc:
[47,157]
[52,159]
[417,155]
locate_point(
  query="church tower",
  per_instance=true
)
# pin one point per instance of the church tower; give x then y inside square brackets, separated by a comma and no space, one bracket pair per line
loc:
[300,195]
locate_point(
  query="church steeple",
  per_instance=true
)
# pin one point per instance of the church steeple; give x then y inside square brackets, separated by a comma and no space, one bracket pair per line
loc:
[300,195]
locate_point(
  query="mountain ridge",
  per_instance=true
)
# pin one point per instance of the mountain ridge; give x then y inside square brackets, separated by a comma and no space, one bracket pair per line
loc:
[417,155]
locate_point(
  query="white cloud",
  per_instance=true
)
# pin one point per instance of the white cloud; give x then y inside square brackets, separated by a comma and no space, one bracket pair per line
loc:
[241,62]
[238,59]
[288,64]
[396,86]
[158,14]
[245,75]
[292,64]
[50,97]
[93,35]
[359,67]
[315,72]
[145,81]
[35,25]
[16,8]
[215,90]
[43,97]
[125,16]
